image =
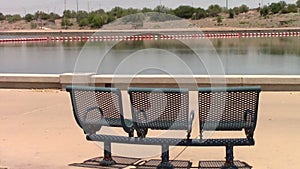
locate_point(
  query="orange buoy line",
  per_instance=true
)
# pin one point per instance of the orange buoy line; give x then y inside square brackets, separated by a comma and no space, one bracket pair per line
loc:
[155,37]
[24,39]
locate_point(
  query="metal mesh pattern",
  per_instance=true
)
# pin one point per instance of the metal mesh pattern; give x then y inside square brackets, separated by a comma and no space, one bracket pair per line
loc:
[228,109]
[220,164]
[160,108]
[176,163]
[96,107]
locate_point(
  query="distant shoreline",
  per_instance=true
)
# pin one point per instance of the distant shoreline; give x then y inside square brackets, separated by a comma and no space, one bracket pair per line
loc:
[134,30]
[102,32]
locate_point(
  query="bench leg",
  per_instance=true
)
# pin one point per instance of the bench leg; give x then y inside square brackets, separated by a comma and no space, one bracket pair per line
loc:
[165,163]
[107,159]
[229,164]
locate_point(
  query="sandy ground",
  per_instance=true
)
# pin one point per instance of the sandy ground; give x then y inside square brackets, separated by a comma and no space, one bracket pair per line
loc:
[37,130]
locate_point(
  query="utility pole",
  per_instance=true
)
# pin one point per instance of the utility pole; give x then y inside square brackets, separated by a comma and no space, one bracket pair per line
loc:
[77,6]
[65,14]
[24,11]
[65,5]
[227,4]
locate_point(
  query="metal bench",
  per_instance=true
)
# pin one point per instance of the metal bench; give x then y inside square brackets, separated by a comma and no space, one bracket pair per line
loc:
[220,109]
[161,109]
[94,107]
[228,109]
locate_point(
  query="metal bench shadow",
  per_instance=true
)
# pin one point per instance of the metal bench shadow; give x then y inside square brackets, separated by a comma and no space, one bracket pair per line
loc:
[120,162]
[219,164]
[220,109]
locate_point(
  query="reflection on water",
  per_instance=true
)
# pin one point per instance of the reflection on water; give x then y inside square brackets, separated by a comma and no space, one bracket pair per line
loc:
[152,57]
[276,55]
[267,46]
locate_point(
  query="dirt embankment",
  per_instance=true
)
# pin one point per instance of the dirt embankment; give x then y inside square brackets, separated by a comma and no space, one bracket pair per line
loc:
[249,20]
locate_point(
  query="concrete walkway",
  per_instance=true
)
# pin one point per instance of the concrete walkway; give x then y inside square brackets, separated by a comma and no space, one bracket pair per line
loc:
[38,130]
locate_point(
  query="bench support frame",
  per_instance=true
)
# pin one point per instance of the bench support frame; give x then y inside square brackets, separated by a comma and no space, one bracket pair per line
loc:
[165,163]
[107,159]
[229,164]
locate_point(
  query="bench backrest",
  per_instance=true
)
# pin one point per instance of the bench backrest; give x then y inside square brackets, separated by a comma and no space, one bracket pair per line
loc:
[95,107]
[231,108]
[160,108]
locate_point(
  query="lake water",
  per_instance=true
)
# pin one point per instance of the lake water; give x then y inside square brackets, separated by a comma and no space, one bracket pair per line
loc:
[236,56]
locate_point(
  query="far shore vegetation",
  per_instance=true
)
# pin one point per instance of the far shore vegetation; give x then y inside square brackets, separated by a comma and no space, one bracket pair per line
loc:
[98,18]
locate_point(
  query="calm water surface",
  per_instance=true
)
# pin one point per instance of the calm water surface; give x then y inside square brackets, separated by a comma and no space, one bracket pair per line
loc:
[237,56]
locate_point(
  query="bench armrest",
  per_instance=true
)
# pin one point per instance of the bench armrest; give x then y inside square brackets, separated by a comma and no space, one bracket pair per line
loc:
[248,118]
[90,124]
[190,123]
[127,125]
[141,132]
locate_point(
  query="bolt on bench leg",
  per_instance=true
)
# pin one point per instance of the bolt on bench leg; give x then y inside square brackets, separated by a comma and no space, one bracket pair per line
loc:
[107,159]
[229,164]
[165,163]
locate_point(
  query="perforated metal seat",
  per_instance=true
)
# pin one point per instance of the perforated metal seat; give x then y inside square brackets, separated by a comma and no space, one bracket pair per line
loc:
[95,107]
[160,109]
[229,108]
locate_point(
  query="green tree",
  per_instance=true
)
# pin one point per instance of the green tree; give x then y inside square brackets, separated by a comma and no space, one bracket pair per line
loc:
[2,17]
[36,15]
[28,17]
[231,13]
[214,10]
[100,11]
[33,25]
[236,10]
[44,16]
[13,18]
[69,14]
[97,21]
[277,7]
[84,22]
[53,16]
[117,12]
[199,14]
[65,22]
[110,18]
[162,9]
[264,11]
[184,12]
[145,10]
[82,15]
[219,20]
[298,3]
[243,8]
[292,8]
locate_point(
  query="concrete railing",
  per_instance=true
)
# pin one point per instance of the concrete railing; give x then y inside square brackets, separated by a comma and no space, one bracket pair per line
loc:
[60,81]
